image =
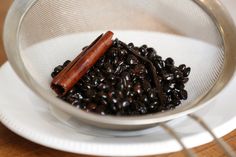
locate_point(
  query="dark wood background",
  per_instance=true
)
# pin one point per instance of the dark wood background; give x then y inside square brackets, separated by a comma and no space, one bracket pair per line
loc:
[12,145]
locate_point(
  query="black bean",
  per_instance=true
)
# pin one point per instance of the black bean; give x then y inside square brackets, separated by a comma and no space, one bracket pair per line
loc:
[72,91]
[185,80]
[114,100]
[103,86]
[66,63]
[82,106]
[120,69]
[144,46]
[101,78]
[135,79]
[172,85]
[170,106]
[156,58]
[125,83]
[58,68]
[178,75]
[138,88]
[97,70]
[53,74]
[136,49]
[186,72]
[179,86]
[139,69]
[151,53]
[86,78]
[120,85]
[130,93]
[115,42]
[90,93]
[119,94]
[120,62]
[103,101]
[142,77]
[77,96]
[125,103]
[128,85]
[144,99]
[176,102]
[121,112]
[172,69]
[108,68]
[132,60]
[84,47]
[169,99]
[76,103]
[95,82]
[166,88]
[143,51]
[100,109]
[183,94]
[130,99]
[175,95]
[116,60]
[111,93]
[113,107]
[112,77]
[126,76]
[114,52]
[102,94]
[182,67]
[92,75]
[159,65]
[85,100]
[91,106]
[168,77]
[152,94]
[169,61]
[131,45]
[153,106]
[87,86]
[123,52]
[142,109]
[99,64]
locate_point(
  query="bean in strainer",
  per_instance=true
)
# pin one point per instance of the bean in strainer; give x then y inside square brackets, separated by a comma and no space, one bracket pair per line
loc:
[40,34]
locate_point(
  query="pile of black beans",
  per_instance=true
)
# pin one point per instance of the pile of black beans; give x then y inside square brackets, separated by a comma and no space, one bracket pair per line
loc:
[120,83]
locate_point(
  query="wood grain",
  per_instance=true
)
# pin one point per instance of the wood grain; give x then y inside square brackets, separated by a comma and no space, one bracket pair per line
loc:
[4,5]
[12,145]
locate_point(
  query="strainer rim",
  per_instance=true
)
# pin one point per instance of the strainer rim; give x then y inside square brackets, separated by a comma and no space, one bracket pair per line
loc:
[11,39]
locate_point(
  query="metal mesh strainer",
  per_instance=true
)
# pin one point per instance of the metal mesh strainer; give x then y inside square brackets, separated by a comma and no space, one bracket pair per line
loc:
[40,34]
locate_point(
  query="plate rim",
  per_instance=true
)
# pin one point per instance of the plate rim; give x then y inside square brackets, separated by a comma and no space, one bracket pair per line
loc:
[65,145]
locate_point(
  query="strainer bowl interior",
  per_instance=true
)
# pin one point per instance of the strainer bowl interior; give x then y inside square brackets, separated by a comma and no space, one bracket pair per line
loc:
[40,34]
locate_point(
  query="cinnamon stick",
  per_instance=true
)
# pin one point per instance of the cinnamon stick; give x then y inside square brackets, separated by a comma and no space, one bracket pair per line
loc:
[72,73]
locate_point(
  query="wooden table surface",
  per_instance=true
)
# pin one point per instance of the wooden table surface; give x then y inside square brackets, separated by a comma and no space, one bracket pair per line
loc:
[12,145]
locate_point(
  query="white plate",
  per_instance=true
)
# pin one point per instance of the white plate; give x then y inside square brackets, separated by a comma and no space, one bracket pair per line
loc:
[27,115]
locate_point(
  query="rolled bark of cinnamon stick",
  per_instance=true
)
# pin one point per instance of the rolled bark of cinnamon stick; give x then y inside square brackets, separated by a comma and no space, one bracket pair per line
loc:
[74,71]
